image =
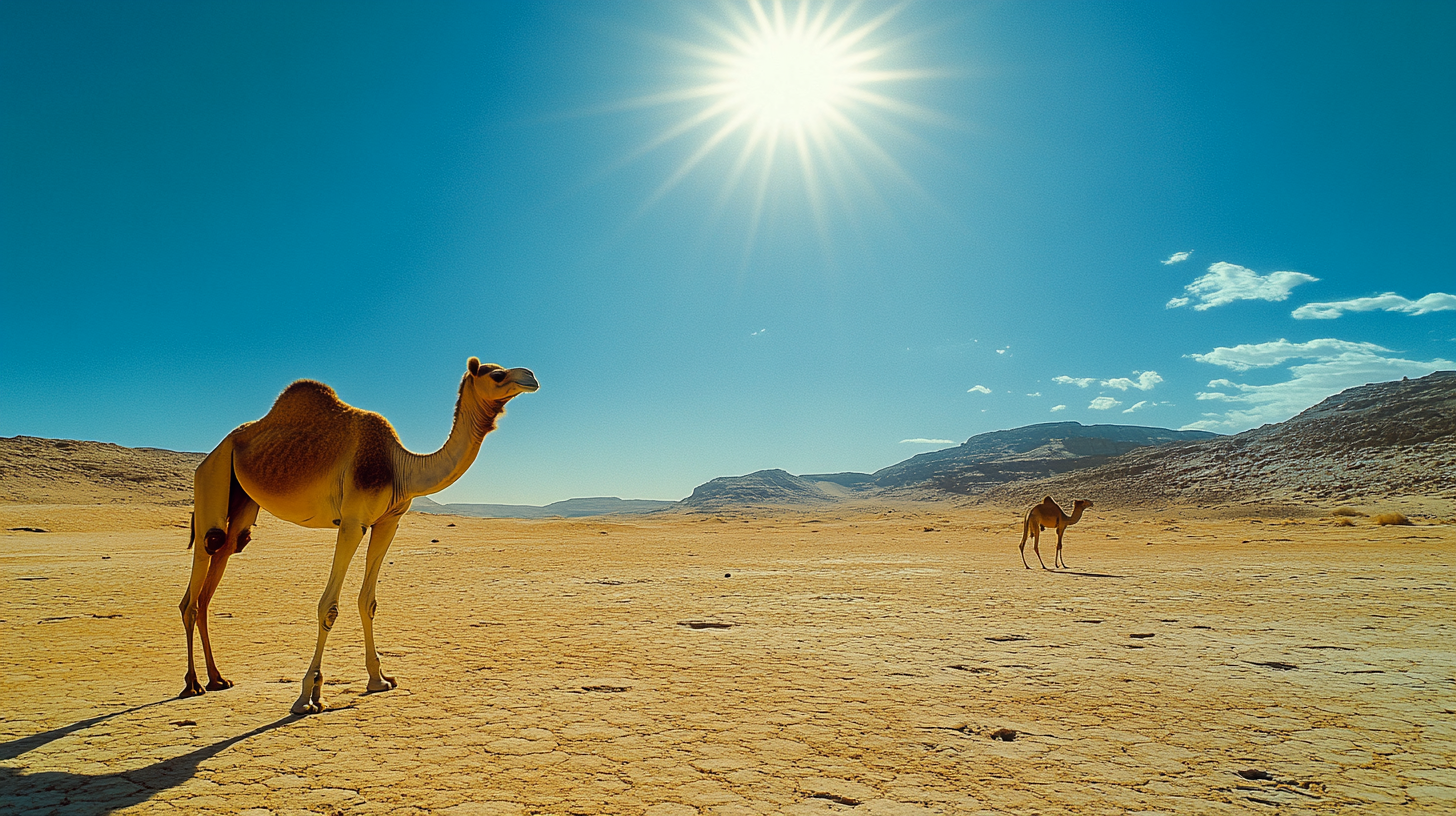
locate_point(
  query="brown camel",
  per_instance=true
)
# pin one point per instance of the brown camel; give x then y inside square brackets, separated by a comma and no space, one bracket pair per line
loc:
[1044,515]
[318,462]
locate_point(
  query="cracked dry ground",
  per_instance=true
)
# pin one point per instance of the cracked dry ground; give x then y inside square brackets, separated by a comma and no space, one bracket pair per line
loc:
[849,664]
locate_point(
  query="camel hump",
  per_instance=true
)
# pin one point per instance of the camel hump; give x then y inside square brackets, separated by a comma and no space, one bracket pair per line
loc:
[1047,500]
[303,437]
[309,395]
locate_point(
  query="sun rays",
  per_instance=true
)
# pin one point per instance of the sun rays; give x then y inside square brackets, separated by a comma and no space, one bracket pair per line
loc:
[788,97]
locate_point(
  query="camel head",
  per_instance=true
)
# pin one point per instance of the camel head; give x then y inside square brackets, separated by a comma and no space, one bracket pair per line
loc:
[495,384]
[1082,504]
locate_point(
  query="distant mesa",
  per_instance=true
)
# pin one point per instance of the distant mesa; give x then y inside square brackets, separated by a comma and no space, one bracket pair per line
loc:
[570,508]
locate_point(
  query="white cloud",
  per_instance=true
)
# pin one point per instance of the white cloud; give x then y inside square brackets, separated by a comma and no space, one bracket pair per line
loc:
[978,389]
[757,333]
[1080,382]
[1262,355]
[1056,408]
[1034,394]
[1145,381]
[1226,283]
[1335,366]
[1388,302]
[919,441]
[1178,257]
[1104,403]
[1137,405]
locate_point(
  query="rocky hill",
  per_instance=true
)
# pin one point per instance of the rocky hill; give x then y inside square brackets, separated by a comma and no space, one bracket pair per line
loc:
[66,471]
[982,462]
[1033,451]
[765,488]
[1365,444]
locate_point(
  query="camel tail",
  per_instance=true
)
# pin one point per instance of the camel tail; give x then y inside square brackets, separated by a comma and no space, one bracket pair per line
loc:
[191,528]
[1025,527]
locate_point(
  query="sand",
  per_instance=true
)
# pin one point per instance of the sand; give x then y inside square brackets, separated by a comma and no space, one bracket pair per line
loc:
[850,663]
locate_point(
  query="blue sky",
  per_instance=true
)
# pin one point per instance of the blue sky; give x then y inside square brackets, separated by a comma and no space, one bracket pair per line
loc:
[200,203]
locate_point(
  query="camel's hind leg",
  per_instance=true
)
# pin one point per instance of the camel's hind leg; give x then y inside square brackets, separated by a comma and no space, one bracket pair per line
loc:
[212,489]
[242,512]
[1025,532]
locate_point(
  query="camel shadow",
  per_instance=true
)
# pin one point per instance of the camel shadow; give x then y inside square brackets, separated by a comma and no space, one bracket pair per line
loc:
[87,795]
[1085,574]
[16,747]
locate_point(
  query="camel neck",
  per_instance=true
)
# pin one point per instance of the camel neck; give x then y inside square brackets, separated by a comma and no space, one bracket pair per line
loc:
[433,472]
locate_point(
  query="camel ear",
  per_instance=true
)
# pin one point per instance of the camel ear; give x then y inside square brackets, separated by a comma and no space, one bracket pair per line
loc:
[474,365]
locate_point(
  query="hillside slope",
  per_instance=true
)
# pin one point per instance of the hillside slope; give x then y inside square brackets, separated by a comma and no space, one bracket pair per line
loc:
[66,471]
[1048,448]
[1365,444]
[982,462]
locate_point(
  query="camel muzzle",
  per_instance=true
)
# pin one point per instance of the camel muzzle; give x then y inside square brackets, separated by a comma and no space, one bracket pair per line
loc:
[524,378]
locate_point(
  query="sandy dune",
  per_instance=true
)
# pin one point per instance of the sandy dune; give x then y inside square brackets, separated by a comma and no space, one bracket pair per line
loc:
[855,663]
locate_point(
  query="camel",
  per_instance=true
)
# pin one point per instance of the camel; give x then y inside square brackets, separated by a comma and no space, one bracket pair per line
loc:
[318,462]
[1044,515]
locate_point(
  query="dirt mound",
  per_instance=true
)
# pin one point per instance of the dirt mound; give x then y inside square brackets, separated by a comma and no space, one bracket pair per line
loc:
[67,471]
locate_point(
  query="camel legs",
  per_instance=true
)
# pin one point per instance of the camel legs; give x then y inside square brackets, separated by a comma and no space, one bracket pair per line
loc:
[243,512]
[1036,548]
[379,540]
[189,607]
[351,532]
[212,493]
[1057,560]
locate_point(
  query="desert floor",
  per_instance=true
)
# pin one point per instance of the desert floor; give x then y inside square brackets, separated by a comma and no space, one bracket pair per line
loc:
[796,664]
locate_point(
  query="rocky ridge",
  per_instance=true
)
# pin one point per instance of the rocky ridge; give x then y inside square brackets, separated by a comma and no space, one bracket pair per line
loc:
[982,462]
[1365,444]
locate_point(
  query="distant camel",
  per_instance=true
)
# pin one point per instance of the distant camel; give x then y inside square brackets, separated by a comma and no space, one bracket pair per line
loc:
[1044,515]
[318,462]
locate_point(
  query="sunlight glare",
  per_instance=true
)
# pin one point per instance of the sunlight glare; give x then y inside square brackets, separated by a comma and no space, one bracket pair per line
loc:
[787,78]
[788,84]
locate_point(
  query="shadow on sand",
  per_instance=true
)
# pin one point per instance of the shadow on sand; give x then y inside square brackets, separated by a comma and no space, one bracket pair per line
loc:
[86,795]
[16,747]
[1085,574]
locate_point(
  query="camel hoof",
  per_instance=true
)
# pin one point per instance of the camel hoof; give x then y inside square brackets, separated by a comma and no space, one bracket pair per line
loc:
[219,684]
[386,683]
[307,707]
[193,688]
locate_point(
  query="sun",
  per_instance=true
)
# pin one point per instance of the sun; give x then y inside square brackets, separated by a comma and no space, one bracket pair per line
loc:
[788,77]
[789,93]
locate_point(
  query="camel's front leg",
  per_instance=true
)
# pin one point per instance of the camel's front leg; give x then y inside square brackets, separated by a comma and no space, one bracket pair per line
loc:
[1057,561]
[379,540]
[351,532]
